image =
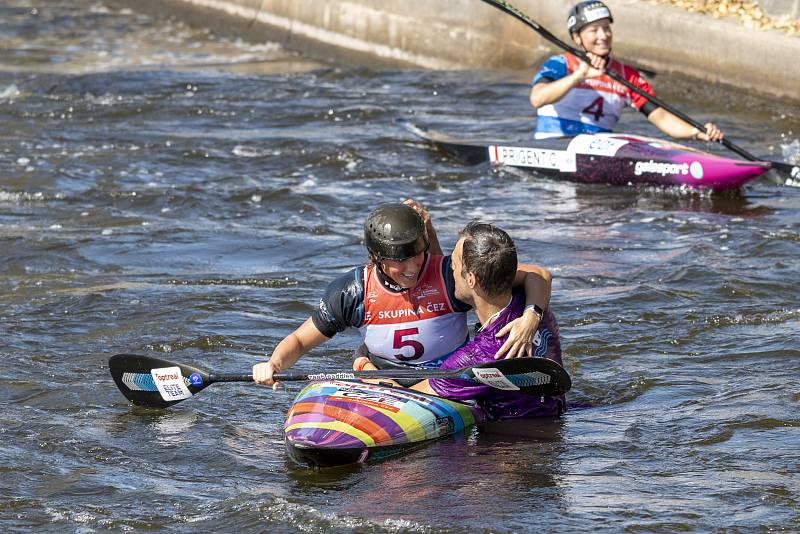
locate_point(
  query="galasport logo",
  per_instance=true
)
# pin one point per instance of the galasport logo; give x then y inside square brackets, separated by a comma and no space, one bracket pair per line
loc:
[653,167]
[165,377]
[660,168]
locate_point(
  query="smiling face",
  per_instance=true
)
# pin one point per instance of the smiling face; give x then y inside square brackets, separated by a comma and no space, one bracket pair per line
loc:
[404,273]
[595,37]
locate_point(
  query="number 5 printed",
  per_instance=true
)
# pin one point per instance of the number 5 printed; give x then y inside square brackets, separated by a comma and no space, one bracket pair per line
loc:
[399,343]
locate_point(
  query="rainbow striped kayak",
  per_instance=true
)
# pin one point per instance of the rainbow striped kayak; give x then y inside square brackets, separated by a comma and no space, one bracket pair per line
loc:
[341,422]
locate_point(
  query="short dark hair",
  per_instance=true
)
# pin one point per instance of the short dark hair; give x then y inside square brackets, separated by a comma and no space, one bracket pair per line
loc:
[491,255]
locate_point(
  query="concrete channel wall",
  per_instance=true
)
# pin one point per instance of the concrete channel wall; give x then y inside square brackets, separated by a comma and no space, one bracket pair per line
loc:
[778,8]
[464,34]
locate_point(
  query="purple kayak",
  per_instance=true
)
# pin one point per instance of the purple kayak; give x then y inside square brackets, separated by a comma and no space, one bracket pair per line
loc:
[608,158]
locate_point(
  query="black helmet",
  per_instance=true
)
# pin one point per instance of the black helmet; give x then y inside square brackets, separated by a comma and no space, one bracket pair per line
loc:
[395,232]
[585,13]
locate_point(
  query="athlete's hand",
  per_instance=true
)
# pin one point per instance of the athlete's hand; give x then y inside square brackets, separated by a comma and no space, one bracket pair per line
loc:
[262,374]
[362,363]
[712,133]
[419,208]
[520,337]
[595,69]
[433,239]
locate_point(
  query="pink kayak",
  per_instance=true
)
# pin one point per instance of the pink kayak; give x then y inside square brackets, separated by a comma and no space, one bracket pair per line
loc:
[610,158]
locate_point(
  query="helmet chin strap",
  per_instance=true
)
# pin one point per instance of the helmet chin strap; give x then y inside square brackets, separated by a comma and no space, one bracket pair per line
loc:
[387,281]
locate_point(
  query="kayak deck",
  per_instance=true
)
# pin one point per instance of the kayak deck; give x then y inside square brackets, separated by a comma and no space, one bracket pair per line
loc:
[342,422]
[616,159]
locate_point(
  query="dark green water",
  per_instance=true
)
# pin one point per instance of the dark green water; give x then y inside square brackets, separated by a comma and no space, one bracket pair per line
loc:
[167,191]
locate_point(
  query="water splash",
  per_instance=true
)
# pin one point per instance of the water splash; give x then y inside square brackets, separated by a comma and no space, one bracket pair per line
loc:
[791,154]
[791,151]
[9,92]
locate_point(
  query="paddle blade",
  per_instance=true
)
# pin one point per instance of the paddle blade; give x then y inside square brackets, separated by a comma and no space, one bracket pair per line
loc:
[788,173]
[153,382]
[533,376]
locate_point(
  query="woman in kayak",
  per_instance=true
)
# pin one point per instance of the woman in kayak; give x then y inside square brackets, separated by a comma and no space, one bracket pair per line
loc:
[572,97]
[403,301]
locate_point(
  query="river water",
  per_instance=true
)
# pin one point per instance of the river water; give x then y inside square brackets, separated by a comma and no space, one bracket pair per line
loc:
[168,191]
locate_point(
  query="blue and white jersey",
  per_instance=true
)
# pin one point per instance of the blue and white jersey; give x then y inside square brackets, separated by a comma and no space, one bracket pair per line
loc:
[595,105]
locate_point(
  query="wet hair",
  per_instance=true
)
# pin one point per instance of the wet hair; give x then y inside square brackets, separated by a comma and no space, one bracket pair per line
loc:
[490,254]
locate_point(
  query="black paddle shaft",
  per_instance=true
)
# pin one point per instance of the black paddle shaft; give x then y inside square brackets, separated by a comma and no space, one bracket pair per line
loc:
[513,11]
[135,376]
[212,378]
[532,376]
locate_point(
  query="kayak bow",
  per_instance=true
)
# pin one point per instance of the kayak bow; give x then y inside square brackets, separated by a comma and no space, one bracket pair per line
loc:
[338,422]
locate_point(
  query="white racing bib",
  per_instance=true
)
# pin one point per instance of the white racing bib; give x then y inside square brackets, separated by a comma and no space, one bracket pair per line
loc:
[493,377]
[414,326]
[170,383]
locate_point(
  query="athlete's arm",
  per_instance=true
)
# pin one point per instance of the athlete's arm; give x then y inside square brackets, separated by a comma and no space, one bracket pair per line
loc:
[551,91]
[537,282]
[424,387]
[339,308]
[288,351]
[676,127]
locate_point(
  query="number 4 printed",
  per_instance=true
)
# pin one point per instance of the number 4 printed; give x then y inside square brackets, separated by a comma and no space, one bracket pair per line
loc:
[595,108]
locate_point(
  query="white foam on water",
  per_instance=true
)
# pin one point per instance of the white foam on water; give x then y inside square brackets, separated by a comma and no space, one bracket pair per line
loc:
[791,151]
[21,196]
[247,151]
[791,154]
[9,92]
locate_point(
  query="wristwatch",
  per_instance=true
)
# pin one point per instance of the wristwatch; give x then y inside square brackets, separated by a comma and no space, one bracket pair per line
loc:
[535,309]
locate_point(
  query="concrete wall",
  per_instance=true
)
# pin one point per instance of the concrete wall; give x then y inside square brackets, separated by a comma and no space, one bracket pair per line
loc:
[443,34]
[778,8]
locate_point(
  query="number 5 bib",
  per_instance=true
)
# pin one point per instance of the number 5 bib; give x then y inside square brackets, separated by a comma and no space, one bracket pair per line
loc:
[414,326]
